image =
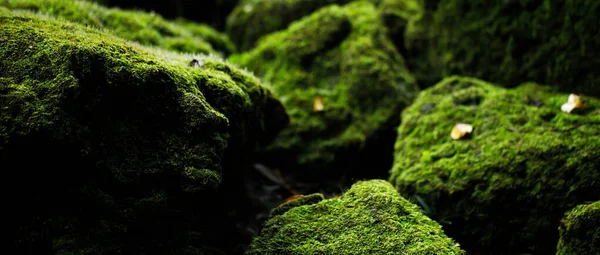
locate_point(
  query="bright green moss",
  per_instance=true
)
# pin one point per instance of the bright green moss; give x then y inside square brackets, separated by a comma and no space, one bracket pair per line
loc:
[580,231]
[509,42]
[145,28]
[505,188]
[114,148]
[370,218]
[252,19]
[341,54]
[220,42]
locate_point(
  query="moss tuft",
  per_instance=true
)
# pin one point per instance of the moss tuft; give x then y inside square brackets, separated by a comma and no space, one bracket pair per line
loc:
[505,188]
[115,148]
[145,28]
[343,56]
[370,218]
[580,230]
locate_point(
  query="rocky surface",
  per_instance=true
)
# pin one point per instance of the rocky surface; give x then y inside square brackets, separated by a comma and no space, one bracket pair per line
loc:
[580,230]
[146,28]
[343,84]
[506,185]
[112,147]
[369,218]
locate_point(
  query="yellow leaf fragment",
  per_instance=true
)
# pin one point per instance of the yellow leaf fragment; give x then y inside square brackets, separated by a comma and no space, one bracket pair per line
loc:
[572,103]
[460,130]
[318,105]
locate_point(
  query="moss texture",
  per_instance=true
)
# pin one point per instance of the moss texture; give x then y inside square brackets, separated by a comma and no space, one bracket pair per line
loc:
[343,55]
[509,42]
[145,28]
[252,19]
[506,187]
[211,12]
[114,148]
[370,218]
[580,230]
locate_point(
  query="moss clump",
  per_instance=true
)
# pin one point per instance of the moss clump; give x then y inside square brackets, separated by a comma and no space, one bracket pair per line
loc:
[343,56]
[505,188]
[219,41]
[114,148]
[580,230]
[370,218]
[508,42]
[252,19]
[145,28]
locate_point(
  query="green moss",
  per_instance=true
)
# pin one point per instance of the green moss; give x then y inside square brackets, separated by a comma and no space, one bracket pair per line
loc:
[509,42]
[253,19]
[110,144]
[370,218]
[580,230]
[220,42]
[505,188]
[145,28]
[341,54]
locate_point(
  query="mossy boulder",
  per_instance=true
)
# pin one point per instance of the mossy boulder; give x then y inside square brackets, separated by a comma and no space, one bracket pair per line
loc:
[370,218]
[506,186]
[253,19]
[109,147]
[339,56]
[508,42]
[144,27]
[580,230]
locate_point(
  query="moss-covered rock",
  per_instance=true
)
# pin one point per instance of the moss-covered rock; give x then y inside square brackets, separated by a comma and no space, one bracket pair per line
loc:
[219,41]
[580,230]
[342,57]
[509,42]
[145,28]
[109,147]
[504,188]
[252,19]
[370,218]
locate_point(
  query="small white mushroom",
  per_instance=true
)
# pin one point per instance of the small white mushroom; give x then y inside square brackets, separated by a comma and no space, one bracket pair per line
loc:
[460,130]
[572,103]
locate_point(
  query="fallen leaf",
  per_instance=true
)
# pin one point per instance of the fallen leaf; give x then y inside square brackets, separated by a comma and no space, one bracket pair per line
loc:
[318,105]
[460,130]
[292,198]
[572,103]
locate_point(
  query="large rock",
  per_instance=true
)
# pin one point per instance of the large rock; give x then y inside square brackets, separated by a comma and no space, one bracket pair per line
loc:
[342,56]
[508,42]
[109,147]
[505,188]
[580,230]
[145,28]
[370,218]
[253,19]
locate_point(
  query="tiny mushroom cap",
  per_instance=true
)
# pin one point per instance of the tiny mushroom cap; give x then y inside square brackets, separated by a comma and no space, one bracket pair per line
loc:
[572,103]
[460,130]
